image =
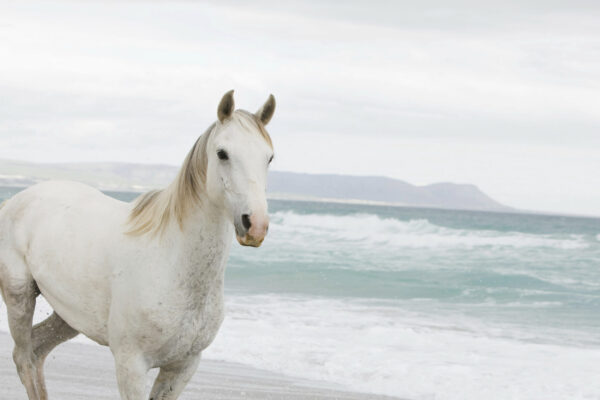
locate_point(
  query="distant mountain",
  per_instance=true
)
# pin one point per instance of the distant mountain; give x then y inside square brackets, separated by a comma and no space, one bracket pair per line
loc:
[138,177]
[382,189]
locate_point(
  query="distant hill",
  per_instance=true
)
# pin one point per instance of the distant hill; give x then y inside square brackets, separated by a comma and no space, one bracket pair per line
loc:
[138,177]
[382,189]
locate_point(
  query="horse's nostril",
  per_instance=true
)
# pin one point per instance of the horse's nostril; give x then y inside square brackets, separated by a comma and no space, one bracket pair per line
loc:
[246,221]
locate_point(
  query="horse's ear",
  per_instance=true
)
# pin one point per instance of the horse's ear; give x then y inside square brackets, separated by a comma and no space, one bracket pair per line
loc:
[226,106]
[266,111]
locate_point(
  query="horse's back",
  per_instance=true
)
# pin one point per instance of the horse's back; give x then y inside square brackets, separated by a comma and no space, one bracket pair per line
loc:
[62,232]
[57,193]
[55,208]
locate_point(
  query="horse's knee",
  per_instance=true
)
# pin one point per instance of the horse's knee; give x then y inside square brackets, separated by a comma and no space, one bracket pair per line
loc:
[30,368]
[22,355]
[30,374]
[24,359]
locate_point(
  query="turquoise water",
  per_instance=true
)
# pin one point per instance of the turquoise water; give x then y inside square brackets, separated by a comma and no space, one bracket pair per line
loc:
[419,303]
[534,270]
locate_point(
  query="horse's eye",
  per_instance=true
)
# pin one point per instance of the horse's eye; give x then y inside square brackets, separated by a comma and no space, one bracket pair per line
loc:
[270,159]
[222,154]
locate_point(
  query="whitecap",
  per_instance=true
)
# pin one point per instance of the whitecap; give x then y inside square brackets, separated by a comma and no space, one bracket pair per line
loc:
[372,230]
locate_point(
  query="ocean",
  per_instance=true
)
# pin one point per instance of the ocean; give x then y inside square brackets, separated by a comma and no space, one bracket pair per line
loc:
[417,303]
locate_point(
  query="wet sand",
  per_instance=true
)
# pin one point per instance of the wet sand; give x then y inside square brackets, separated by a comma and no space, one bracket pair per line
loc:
[76,371]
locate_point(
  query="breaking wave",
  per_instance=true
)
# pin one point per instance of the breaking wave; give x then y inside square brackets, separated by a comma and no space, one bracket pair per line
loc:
[372,230]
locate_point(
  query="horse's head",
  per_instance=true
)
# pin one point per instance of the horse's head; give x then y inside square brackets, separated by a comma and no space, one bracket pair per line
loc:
[238,155]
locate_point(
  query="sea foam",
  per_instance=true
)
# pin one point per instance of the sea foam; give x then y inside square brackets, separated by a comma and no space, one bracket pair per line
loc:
[383,349]
[372,230]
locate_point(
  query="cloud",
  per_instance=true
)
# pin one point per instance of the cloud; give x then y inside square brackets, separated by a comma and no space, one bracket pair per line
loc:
[421,92]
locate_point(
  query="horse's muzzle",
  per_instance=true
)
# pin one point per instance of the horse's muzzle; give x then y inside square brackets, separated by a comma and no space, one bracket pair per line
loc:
[253,230]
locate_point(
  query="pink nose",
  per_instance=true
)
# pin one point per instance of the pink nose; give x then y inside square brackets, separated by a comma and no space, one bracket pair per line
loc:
[256,226]
[259,226]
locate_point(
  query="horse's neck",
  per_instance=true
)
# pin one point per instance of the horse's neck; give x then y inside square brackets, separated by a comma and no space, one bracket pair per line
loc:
[206,238]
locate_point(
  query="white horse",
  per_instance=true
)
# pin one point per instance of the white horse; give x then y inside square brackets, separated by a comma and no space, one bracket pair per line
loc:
[144,278]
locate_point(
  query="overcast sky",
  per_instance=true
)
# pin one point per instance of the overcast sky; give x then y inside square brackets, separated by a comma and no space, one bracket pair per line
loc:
[503,96]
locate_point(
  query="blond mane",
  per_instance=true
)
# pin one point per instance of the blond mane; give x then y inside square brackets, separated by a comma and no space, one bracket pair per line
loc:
[154,210]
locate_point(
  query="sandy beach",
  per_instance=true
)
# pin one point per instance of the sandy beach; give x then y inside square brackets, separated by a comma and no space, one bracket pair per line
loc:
[76,371]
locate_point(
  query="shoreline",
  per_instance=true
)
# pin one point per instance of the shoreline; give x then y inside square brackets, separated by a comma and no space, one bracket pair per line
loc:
[77,371]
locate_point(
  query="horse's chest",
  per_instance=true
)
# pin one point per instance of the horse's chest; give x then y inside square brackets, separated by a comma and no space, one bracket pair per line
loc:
[192,330]
[205,325]
[191,306]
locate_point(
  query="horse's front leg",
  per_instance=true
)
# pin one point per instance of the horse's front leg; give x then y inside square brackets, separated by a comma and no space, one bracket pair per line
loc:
[131,375]
[172,378]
